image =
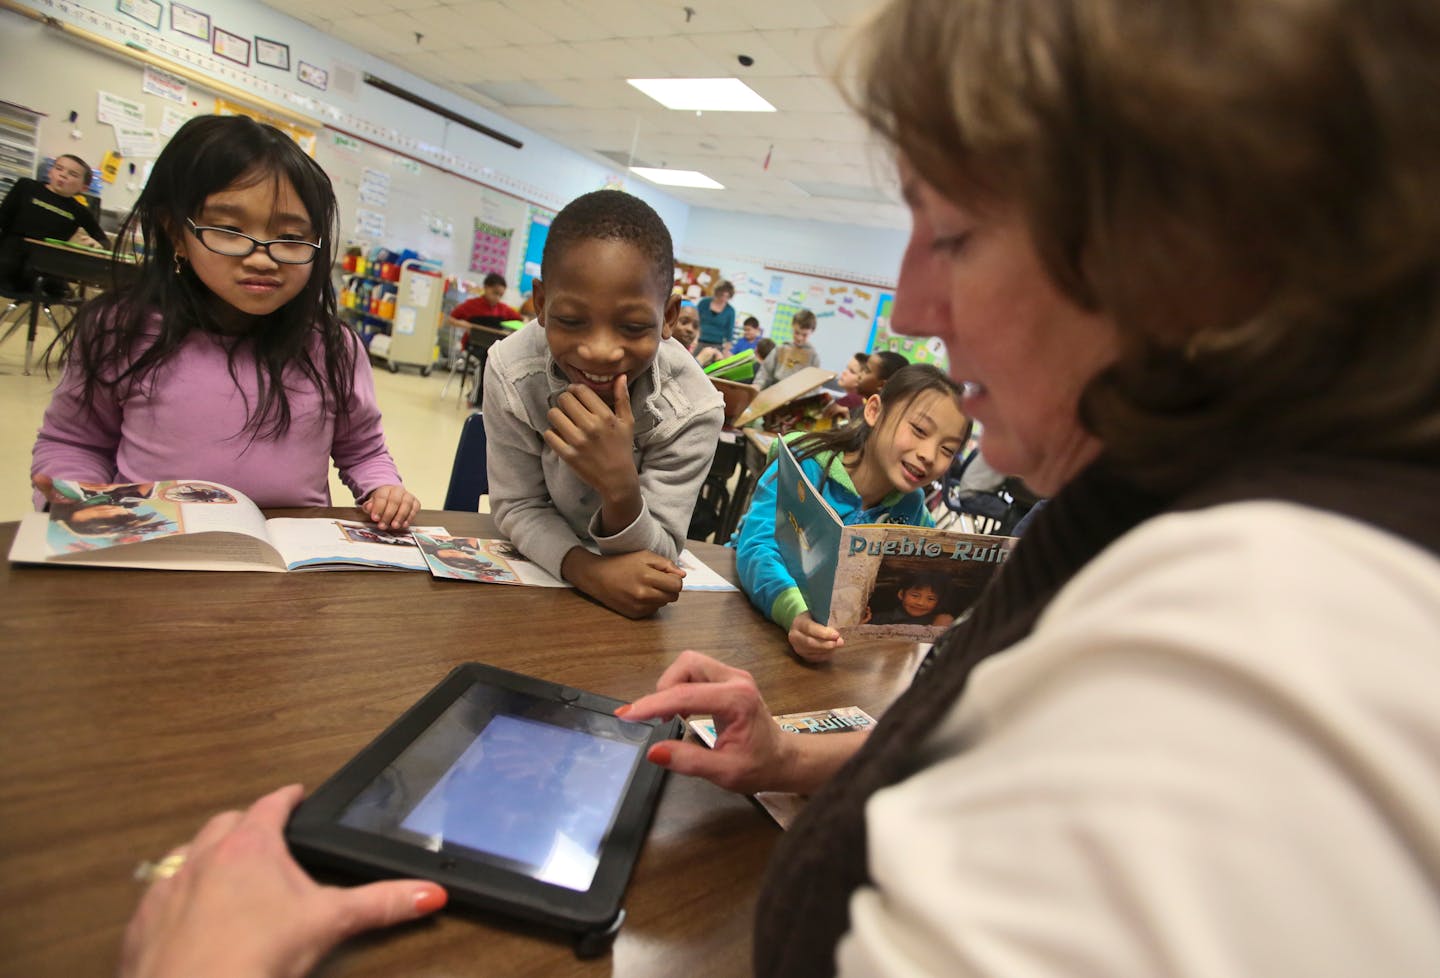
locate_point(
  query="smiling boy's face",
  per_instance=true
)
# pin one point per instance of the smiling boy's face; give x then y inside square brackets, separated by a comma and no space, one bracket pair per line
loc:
[919,600]
[604,313]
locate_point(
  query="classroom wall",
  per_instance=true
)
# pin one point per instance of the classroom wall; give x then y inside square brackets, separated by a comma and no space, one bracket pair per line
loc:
[44,70]
[849,269]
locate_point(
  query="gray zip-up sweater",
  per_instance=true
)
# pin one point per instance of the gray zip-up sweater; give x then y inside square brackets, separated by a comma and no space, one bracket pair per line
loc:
[541,505]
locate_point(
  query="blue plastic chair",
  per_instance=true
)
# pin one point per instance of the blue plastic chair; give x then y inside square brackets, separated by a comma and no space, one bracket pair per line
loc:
[469,477]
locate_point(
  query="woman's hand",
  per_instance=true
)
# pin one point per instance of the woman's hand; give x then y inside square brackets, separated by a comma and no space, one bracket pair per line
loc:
[813,641]
[240,905]
[391,507]
[749,753]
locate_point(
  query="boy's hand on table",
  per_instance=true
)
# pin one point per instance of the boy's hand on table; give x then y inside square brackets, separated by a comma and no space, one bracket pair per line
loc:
[240,905]
[596,442]
[391,507]
[813,641]
[636,584]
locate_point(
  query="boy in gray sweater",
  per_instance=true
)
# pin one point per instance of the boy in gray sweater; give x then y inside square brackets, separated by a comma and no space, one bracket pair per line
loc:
[600,429]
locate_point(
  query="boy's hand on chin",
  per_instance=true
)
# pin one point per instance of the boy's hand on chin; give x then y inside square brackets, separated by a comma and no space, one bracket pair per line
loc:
[595,441]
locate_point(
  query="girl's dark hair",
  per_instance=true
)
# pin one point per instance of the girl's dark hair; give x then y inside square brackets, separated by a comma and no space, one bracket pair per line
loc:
[904,386]
[890,362]
[111,344]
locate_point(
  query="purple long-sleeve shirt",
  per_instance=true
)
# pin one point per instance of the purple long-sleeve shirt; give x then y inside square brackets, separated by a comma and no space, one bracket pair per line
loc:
[188,422]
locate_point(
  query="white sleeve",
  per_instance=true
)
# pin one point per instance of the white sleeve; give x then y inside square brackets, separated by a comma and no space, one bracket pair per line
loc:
[1215,755]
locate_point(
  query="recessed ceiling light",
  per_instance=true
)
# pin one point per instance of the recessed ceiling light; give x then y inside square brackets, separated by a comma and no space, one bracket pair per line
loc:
[677,178]
[703,94]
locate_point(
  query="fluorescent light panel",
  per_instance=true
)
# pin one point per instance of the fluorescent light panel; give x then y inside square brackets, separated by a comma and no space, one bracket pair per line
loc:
[677,178]
[703,94]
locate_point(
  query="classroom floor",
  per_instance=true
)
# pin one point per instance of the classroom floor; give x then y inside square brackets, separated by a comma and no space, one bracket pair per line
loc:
[421,428]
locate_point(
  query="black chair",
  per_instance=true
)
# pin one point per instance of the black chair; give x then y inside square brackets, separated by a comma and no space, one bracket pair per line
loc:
[469,476]
[30,303]
[995,510]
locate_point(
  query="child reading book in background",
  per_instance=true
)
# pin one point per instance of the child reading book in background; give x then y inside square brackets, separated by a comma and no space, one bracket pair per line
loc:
[598,432]
[793,356]
[224,360]
[750,335]
[873,470]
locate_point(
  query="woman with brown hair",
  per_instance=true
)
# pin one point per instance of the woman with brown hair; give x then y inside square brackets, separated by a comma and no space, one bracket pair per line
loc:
[1185,257]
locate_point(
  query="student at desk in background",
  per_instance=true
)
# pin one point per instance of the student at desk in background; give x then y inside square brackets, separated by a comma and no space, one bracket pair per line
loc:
[793,356]
[224,359]
[598,431]
[49,210]
[487,304]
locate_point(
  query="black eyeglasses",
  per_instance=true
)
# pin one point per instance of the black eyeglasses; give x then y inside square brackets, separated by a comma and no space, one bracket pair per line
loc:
[237,244]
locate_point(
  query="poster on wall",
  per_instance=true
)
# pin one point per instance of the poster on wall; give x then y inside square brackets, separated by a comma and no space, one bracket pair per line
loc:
[490,251]
[272,54]
[916,349]
[231,47]
[165,85]
[191,23]
[534,247]
[147,12]
[313,76]
[694,281]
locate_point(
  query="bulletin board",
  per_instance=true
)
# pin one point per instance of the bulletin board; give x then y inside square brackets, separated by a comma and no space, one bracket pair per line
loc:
[845,312]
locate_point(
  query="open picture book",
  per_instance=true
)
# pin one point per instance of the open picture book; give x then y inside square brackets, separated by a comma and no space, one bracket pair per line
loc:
[483,561]
[880,579]
[197,525]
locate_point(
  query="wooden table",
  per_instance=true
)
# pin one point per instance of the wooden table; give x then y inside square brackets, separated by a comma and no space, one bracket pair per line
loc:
[136,704]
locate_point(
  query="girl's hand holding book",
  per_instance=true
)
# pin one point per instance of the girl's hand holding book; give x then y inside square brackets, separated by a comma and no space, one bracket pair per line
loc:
[813,641]
[391,507]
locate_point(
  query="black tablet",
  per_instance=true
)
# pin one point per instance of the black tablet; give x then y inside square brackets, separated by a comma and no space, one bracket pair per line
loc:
[515,794]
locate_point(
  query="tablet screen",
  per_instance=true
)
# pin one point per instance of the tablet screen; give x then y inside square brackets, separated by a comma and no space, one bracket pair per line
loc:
[528,785]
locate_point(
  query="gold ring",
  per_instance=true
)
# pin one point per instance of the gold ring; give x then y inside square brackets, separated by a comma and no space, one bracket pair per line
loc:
[149,872]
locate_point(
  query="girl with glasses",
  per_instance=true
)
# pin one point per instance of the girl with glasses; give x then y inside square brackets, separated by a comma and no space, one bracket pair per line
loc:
[224,359]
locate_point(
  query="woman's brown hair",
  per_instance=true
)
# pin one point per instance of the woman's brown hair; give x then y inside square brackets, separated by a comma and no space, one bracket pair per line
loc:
[1246,187]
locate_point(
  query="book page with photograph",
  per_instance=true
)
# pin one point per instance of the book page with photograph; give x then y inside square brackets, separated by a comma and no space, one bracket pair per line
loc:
[501,562]
[333,544]
[193,524]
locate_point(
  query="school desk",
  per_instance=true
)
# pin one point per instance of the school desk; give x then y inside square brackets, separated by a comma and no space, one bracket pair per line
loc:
[136,704]
[58,261]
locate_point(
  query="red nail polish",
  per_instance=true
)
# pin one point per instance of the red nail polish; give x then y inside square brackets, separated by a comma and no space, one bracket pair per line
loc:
[430,899]
[621,711]
[659,754]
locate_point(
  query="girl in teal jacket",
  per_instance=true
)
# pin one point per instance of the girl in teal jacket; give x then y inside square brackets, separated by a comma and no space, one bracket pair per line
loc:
[873,470]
